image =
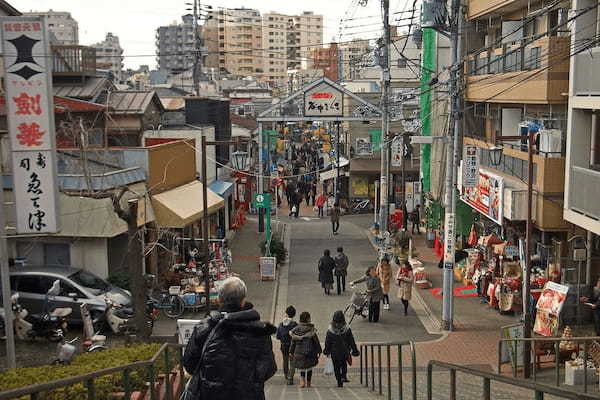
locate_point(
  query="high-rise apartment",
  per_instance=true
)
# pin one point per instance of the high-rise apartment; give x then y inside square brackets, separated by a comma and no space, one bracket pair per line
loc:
[305,34]
[350,55]
[109,55]
[175,46]
[62,26]
[275,43]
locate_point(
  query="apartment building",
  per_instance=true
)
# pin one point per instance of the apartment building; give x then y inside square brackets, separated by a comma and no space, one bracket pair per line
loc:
[276,28]
[327,60]
[62,26]
[516,77]
[175,45]
[582,181]
[109,55]
[350,56]
[234,40]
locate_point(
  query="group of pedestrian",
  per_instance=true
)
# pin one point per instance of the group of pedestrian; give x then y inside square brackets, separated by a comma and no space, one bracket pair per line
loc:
[329,267]
[301,348]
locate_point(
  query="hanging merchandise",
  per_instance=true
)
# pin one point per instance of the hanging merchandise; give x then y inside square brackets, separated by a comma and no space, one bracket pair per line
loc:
[472,241]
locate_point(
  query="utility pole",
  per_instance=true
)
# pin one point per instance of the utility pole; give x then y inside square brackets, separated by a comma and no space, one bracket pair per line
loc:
[452,160]
[260,177]
[385,143]
[197,55]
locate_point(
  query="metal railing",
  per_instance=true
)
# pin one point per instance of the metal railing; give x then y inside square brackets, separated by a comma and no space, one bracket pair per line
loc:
[584,201]
[543,347]
[539,389]
[377,370]
[88,380]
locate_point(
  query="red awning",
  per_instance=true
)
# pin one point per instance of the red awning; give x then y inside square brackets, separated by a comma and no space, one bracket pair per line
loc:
[63,104]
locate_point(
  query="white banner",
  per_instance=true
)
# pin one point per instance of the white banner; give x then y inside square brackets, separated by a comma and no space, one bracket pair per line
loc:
[30,114]
[397,152]
[449,242]
[470,167]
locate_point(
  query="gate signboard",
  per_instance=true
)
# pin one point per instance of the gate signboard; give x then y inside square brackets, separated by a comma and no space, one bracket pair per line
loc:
[323,101]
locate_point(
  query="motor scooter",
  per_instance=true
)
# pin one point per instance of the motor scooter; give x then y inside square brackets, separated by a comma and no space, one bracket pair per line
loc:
[120,319]
[50,324]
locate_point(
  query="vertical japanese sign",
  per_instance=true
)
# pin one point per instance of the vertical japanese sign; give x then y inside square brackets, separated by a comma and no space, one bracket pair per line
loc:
[397,152]
[449,242]
[470,167]
[30,114]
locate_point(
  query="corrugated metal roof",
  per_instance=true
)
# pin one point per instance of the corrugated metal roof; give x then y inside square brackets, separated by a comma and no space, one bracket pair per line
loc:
[173,103]
[131,101]
[100,182]
[89,90]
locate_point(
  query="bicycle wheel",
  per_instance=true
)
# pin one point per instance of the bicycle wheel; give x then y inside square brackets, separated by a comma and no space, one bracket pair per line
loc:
[172,306]
[349,313]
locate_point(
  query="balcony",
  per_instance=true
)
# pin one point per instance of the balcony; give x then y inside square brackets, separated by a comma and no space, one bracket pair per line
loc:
[73,60]
[586,77]
[480,8]
[525,71]
[584,201]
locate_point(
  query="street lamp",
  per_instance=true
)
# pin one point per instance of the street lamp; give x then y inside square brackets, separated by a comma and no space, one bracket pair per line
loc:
[239,160]
[495,155]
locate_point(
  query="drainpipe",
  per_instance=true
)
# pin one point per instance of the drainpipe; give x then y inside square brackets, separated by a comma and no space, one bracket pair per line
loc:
[588,259]
[593,139]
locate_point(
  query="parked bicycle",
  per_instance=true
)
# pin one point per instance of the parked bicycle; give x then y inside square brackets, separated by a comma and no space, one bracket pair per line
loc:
[359,305]
[360,206]
[168,301]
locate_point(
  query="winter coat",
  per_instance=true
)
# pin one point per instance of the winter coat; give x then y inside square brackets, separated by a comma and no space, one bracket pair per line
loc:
[283,334]
[326,267]
[339,343]
[341,264]
[305,347]
[320,200]
[374,290]
[405,281]
[385,276]
[335,214]
[237,360]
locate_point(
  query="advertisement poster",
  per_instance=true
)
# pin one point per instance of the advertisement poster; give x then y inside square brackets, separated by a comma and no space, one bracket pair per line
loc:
[549,307]
[363,147]
[486,197]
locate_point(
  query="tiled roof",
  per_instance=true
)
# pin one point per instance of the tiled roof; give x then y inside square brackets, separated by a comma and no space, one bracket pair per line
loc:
[248,123]
[132,101]
[90,90]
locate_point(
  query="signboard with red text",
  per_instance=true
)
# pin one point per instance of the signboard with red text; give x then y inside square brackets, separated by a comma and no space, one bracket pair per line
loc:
[30,115]
[323,101]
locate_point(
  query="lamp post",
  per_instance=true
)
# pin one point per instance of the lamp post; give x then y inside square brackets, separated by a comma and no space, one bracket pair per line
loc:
[241,159]
[496,158]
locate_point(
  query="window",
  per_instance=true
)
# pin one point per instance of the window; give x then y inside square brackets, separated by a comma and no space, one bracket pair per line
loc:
[402,63]
[535,57]
[36,284]
[66,288]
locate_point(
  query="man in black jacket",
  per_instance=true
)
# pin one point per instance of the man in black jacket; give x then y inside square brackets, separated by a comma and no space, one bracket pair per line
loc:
[230,354]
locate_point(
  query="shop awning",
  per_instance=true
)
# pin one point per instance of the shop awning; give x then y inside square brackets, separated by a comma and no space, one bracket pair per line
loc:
[181,206]
[222,188]
[331,174]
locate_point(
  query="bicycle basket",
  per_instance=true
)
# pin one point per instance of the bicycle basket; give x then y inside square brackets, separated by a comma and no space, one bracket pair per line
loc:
[358,299]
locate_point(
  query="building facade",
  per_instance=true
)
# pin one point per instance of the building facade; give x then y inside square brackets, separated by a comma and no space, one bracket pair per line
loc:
[350,55]
[327,60]
[175,45]
[62,26]
[109,55]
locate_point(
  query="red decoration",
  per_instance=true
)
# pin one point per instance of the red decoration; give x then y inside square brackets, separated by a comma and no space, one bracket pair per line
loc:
[28,105]
[30,135]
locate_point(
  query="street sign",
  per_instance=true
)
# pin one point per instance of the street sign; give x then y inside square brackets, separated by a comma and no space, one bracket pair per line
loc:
[449,242]
[397,150]
[262,200]
[470,167]
[267,268]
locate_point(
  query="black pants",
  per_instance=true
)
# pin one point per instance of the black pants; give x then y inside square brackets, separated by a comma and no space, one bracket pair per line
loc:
[418,226]
[306,375]
[405,304]
[321,211]
[288,364]
[386,299]
[335,225]
[341,283]
[340,369]
[374,311]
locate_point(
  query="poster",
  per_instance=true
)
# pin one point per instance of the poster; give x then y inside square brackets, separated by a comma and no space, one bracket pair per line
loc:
[549,306]
[396,150]
[487,196]
[267,268]
[363,147]
[30,115]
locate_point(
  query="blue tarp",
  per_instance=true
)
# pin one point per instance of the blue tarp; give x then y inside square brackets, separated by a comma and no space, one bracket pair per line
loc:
[222,188]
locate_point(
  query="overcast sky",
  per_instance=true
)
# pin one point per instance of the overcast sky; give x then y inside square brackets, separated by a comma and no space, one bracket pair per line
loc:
[135,21]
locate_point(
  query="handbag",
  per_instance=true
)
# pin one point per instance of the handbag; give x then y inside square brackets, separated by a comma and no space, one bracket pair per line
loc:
[349,359]
[328,369]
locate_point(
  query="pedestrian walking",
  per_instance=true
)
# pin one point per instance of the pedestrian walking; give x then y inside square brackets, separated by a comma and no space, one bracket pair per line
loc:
[341,270]
[326,267]
[374,292]
[230,353]
[416,220]
[321,203]
[314,192]
[340,346]
[405,279]
[335,218]
[384,272]
[283,335]
[305,348]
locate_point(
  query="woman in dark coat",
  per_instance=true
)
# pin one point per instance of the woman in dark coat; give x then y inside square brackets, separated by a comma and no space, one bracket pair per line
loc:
[305,348]
[340,345]
[326,267]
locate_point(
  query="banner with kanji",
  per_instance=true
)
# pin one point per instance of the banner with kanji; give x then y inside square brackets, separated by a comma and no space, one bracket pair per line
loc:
[30,115]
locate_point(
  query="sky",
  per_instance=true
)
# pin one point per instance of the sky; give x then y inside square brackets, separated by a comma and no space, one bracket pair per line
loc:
[135,21]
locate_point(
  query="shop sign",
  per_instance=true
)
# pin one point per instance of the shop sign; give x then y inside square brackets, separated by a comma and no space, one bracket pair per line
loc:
[30,115]
[449,241]
[267,268]
[262,200]
[397,150]
[323,101]
[487,196]
[512,350]
[363,147]
[185,328]
[549,306]
[470,167]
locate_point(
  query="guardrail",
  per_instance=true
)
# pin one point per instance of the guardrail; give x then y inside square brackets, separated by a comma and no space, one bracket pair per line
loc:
[542,347]
[365,348]
[539,389]
[34,391]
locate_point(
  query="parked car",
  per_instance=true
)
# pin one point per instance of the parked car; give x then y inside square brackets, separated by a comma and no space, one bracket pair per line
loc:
[77,286]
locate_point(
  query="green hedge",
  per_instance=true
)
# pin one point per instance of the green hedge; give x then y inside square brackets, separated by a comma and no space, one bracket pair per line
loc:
[85,363]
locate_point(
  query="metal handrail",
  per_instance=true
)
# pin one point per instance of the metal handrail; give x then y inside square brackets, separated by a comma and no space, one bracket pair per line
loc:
[540,389]
[88,379]
[364,372]
[556,348]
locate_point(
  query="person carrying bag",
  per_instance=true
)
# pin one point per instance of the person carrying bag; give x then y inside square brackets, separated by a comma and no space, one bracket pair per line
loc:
[340,346]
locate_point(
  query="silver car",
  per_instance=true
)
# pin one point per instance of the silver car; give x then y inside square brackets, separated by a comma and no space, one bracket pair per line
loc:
[77,286]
